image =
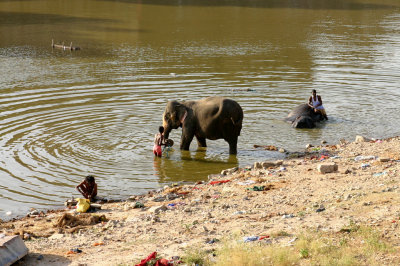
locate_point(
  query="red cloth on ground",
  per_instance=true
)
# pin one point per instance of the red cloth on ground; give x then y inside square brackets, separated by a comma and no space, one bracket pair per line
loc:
[152,256]
[219,182]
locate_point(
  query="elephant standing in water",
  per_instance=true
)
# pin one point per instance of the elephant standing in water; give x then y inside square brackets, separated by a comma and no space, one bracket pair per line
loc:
[303,116]
[209,118]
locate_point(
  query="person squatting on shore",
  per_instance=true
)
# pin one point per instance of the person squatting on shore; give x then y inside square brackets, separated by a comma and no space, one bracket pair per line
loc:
[88,188]
[158,141]
[315,102]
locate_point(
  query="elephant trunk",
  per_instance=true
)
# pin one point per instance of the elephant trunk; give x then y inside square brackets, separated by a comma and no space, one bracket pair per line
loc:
[167,129]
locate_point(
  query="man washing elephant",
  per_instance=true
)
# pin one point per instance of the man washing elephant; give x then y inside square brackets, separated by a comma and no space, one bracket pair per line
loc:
[209,118]
[315,102]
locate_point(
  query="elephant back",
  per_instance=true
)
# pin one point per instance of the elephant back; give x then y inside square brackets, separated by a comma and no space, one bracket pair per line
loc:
[216,114]
[300,110]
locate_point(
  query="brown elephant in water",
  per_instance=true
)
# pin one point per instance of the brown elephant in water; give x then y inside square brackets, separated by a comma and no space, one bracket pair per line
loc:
[209,118]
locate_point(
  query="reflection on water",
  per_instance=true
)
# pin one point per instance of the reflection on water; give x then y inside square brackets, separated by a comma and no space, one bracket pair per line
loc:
[95,111]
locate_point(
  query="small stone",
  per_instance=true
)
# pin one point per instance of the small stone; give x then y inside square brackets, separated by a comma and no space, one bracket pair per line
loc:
[327,168]
[159,199]
[257,165]
[268,164]
[56,236]
[282,150]
[383,160]
[346,171]
[157,209]
[309,146]
[360,139]
[323,142]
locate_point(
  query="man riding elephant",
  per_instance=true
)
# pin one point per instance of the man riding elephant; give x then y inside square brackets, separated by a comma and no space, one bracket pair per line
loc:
[209,118]
[315,102]
[307,114]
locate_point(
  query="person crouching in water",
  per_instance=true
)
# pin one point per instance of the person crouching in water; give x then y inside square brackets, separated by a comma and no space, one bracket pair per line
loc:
[315,102]
[88,188]
[158,141]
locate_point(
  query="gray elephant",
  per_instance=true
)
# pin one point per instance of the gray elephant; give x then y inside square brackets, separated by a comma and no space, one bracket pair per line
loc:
[303,116]
[209,118]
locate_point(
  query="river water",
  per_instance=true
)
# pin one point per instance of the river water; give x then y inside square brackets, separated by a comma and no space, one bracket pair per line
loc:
[65,114]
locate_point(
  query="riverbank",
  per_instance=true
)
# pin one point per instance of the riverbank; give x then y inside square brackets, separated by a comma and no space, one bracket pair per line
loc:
[344,196]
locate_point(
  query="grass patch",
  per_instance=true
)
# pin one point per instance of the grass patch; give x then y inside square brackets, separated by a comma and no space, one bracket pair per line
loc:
[356,245]
[196,256]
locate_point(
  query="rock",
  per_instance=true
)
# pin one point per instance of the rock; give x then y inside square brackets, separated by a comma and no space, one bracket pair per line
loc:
[268,164]
[157,209]
[383,160]
[360,139]
[309,146]
[229,171]
[346,171]
[282,150]
[159,199]
[131,198]
[327,168]
[258,165]
[323,142]
[12,248]
[56,236]
[111,224]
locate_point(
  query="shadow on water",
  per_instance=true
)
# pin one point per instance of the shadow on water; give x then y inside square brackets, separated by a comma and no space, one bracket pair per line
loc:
[301,4]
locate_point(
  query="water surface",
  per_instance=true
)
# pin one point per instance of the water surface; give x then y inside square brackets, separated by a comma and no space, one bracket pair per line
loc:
[66,114]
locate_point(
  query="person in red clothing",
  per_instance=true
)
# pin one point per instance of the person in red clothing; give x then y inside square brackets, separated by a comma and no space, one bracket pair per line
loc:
[158,141]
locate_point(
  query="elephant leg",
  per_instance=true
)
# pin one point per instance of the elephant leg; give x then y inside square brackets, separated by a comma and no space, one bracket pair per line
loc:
[201,142]
[233,145]
[186,139]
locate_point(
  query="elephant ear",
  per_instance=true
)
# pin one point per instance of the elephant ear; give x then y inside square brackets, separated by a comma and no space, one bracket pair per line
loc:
[181,110]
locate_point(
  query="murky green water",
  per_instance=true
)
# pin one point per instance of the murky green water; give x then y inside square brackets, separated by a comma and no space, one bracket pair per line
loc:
[66,114]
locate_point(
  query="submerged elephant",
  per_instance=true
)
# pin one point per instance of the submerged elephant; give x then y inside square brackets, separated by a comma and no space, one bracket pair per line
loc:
[303,116]
[209,118]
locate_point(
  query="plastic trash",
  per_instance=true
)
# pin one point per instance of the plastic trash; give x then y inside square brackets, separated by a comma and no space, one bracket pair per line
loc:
[257,188]
[219,182]
[74,251]
[364,158]
[365,165]
[83,205]
[246,183]
[250,238]
[212,241]
[380,174]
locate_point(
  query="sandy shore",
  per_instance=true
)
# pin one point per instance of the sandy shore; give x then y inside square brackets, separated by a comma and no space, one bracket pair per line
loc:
[289,196]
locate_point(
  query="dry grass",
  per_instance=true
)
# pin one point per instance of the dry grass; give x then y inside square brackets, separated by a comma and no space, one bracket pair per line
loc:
[354,245]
